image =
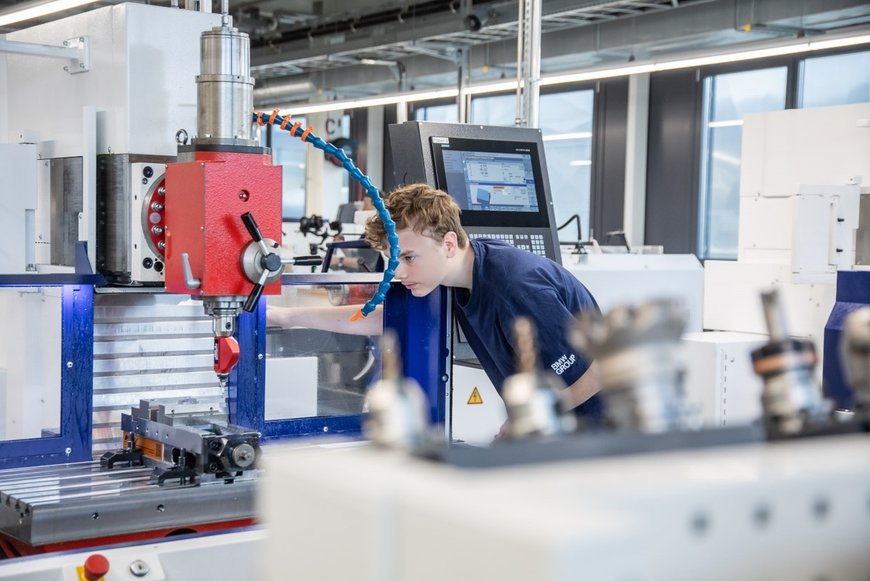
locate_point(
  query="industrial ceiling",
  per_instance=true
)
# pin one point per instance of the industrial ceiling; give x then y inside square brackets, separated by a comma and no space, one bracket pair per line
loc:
[321,49]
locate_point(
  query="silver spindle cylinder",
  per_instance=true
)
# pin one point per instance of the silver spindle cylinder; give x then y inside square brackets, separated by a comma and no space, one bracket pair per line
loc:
[225,89]
[791,398]
[641,363]
[774,316]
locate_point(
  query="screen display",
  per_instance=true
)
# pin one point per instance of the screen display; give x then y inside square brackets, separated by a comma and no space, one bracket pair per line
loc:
[496,183]
[499,182]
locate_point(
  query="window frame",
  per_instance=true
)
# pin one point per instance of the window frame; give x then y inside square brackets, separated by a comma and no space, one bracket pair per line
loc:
[706,75]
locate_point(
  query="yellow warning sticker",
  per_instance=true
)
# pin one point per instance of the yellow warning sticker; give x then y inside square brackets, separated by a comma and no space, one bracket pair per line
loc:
[80,571]
[475,398]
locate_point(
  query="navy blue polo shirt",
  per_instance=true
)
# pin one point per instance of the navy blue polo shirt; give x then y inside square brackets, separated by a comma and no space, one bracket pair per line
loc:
[508,283]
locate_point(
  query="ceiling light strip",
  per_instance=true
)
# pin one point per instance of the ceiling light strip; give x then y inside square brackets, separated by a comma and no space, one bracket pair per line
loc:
[728,123]
[568,136]
[594,75]
[44,9]
[839,42]
[369,102]
[732,57]
[485,88]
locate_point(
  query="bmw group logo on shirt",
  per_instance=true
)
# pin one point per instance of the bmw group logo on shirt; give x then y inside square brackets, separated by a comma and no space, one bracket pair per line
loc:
[563,363]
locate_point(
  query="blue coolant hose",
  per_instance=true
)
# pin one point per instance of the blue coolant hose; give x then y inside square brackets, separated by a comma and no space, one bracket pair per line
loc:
[371,191]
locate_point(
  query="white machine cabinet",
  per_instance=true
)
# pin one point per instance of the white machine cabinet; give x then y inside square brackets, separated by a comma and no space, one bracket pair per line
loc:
[721,388]
[142,95]
[795,510]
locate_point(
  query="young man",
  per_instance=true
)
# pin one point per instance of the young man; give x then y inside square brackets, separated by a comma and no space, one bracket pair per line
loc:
[493,284]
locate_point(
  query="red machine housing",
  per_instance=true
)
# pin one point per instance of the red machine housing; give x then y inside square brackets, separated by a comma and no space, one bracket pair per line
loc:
[205,199]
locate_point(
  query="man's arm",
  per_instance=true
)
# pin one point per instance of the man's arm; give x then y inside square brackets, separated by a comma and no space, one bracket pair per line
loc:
[334,319]
[584,388]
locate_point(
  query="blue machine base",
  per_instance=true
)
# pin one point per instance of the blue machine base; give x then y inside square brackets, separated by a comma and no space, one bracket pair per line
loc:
[853,292]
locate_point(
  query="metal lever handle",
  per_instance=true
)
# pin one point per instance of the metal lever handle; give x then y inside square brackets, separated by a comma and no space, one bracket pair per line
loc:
[189,281]
[303,261]
[254,297]
[270,261]
[254,231]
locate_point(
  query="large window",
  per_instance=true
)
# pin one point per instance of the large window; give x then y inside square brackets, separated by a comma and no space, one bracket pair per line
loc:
[835,80]
[565,120]
[289,152]
[822,81]
[727,98]
[498,110]
[442,113]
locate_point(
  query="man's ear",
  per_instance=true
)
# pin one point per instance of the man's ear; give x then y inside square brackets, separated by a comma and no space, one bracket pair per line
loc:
[451,243]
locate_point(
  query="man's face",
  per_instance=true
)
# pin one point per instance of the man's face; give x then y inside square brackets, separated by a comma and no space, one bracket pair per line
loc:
[423,262]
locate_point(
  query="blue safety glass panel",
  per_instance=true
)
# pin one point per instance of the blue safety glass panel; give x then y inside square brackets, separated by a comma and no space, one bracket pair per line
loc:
[302,382]
[47,369]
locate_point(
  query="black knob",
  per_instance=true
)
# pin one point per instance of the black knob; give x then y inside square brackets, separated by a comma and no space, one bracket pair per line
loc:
[251,225]
[271,262]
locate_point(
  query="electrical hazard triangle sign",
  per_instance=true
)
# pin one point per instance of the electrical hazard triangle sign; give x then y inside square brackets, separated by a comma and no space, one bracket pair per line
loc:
[475,398]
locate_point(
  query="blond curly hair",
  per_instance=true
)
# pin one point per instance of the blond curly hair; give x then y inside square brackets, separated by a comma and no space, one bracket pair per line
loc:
[421,208]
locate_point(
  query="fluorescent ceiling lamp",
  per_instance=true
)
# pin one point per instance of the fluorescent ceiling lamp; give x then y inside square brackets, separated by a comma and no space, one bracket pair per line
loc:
[839,42]
[579,162]
[567,136]
[39,10]
[370,102]
[580,76]
[731,57]
[729,123]
[561,79]
[485,88]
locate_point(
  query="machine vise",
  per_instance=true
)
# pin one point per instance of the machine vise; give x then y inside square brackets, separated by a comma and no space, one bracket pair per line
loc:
[186,451]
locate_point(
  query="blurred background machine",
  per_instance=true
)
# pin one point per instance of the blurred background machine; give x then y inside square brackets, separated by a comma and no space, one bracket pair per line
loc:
[803,227]
[683,514]
[554,505]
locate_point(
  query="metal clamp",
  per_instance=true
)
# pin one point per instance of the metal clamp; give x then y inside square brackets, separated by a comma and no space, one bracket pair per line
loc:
[81,61]
[74,49]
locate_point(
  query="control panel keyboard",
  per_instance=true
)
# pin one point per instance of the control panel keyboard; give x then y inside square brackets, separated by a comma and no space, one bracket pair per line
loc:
[531,242]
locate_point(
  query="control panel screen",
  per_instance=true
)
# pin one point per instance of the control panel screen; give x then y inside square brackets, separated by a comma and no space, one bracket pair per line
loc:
[499,182]
[496,183]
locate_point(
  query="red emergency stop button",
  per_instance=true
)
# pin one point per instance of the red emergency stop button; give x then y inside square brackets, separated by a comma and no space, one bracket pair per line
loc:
[96,567]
